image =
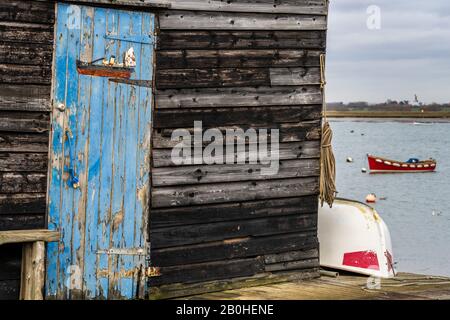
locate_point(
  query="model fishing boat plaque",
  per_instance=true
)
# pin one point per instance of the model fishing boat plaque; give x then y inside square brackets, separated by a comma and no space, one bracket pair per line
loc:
[108,68]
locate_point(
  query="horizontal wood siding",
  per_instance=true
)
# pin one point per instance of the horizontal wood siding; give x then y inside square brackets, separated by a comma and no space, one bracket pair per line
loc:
[26,44]
[236,65]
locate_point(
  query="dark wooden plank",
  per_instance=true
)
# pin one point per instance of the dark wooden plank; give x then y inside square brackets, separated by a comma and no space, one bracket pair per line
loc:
[24,98]
[294,76]
[23,162]
[22,203]
[209,271]
[293,265]
[17,32]
[17,182]
[287,151]
[24,142]
[261,279]
[238,97]
[190,20]
[207,232]
[26,53]
[211,78]
[288,132]
[179,59]
[27,11]
[215,39]
[260,6]
[233,192]
[170,217]
[200,174]
[234,249]
[22,221]
[255,116]
[20,74]
[9,289]
[10,256]
[304,253]
[16,121]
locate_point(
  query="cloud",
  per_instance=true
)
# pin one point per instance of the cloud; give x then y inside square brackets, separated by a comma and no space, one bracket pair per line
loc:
[409,55]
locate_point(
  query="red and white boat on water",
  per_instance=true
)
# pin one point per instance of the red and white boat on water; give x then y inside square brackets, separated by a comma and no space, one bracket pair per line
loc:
[382,165]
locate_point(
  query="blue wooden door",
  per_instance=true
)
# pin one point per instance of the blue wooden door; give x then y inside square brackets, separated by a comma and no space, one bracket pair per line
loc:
[99,167]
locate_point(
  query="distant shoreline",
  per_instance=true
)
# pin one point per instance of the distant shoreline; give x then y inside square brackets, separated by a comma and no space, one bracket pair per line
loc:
[388,114]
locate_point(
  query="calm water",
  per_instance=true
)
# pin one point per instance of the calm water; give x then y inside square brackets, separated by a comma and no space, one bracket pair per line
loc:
[421,239]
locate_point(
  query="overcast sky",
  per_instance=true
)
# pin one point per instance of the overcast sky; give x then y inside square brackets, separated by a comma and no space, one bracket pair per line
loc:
[409,54]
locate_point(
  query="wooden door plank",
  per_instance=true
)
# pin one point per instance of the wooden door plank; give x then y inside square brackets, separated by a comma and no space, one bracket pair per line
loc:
[57,147]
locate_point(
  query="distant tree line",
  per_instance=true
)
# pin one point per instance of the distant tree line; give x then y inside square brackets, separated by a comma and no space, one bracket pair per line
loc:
[389,105]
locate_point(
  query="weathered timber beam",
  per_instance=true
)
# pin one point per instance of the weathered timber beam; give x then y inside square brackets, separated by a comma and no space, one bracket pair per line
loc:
[20,236]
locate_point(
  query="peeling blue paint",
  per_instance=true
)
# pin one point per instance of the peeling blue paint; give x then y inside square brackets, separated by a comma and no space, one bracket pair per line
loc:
[110,123]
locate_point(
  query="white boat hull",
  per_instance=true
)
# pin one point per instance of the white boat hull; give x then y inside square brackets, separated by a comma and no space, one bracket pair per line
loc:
[354,238]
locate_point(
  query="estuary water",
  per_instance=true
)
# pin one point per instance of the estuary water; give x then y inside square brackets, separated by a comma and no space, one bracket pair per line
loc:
[417,206]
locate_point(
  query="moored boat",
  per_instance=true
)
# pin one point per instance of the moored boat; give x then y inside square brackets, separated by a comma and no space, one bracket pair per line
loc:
[353,237]
[383,165]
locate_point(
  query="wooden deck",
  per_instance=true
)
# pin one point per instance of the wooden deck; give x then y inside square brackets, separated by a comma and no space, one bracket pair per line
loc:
[405,286]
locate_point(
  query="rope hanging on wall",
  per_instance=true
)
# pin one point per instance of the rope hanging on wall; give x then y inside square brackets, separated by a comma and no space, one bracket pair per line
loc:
[327,161]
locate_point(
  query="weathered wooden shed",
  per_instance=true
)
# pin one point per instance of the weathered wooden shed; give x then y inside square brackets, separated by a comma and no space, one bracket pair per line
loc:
[132,222]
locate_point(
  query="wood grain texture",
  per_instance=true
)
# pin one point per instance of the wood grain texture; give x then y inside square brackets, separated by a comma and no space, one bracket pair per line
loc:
[201,233]
[238,97]
[24,142]
[269,247]
[24,122]
[26,53]
[178,59]
[287,151]
[269,117]
[20,236]
[22,221]
[22,203]
[19,32]
[23,162]
[233,192]
[27,11]
[211,78]
[181,216]
[256,39]
[24,98]
[288,132]
[260,6]
[209,271]
[194,175]
[17,182]
[24,74]
[196,20]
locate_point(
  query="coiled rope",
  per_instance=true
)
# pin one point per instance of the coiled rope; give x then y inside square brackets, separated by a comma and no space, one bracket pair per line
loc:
[327,161]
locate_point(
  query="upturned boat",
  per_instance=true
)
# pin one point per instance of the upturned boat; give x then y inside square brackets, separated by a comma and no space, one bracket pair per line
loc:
[353,237]
[383,165]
